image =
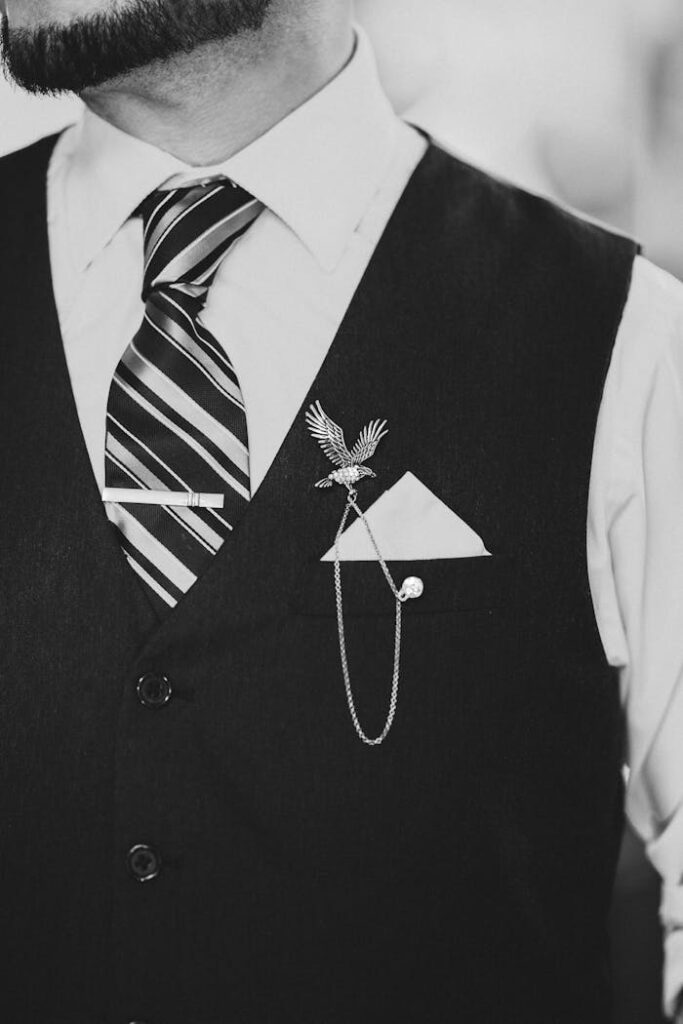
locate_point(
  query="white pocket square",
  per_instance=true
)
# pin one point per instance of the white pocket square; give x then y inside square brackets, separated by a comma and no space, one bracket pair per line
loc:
[409,522]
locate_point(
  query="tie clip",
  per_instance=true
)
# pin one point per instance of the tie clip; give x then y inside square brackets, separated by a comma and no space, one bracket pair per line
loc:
[188,499]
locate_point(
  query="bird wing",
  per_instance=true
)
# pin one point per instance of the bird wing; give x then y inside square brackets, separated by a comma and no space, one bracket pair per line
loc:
[329,435]
[368,439]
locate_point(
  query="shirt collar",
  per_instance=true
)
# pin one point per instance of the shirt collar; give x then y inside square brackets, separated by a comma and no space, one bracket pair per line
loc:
[317,169]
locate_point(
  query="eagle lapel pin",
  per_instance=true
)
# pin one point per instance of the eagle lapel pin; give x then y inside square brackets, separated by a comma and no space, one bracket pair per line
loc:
[350,470]
[330,437]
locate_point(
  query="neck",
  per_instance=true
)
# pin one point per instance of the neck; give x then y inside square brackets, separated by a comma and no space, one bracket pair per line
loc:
[206,105]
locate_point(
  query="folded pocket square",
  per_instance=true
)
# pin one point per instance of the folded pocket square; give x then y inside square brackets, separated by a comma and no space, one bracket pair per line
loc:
[409,522]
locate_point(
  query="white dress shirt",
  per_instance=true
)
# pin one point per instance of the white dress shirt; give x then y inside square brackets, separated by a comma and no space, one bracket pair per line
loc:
[330,175]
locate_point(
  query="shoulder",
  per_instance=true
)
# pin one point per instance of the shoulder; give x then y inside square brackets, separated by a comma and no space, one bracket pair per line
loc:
[656,295]
[506,246]
[23,194]
[514,220]
[650,339]
[27,163]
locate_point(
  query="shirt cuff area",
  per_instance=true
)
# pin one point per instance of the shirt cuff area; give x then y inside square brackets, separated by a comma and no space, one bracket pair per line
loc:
[666,854]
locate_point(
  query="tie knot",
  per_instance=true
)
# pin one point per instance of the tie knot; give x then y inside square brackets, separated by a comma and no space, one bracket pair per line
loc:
[188,231]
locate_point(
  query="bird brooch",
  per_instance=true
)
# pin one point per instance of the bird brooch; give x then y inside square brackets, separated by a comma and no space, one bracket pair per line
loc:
[330,437]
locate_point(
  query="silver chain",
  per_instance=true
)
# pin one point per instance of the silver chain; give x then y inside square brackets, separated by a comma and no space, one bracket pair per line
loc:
[400,598]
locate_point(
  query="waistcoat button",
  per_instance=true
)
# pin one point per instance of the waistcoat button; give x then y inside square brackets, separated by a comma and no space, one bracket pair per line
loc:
[154,690]
[143,862]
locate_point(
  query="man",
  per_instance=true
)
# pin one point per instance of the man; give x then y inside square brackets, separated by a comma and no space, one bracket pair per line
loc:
[239,253]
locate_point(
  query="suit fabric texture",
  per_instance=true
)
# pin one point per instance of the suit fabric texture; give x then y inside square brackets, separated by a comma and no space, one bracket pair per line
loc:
[462,870]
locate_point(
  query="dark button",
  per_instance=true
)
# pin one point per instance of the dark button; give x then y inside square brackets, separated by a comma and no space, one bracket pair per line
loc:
[144,863]
[154,690]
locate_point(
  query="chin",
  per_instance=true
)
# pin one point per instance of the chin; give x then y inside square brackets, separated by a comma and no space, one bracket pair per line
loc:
[76,45]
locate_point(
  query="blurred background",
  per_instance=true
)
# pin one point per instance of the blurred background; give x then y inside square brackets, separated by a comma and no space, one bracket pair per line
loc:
[581,100]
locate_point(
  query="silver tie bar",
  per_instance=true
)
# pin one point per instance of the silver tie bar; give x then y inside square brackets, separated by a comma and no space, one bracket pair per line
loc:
[188,499]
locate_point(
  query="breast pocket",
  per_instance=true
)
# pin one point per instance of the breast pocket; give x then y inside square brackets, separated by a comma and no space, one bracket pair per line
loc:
[450,584]
[454,648]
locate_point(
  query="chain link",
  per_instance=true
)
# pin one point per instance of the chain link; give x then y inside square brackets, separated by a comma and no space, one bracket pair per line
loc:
[400,598]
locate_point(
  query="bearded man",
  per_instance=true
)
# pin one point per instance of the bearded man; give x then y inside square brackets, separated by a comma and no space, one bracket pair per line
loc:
[274,752]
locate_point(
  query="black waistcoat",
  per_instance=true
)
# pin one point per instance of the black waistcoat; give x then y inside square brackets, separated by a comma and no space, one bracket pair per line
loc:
[461,871]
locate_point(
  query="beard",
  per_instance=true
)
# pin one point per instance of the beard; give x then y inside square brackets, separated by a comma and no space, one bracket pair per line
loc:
[88,51]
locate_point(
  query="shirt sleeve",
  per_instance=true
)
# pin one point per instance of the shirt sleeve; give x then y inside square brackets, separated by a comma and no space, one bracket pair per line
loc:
[635,561]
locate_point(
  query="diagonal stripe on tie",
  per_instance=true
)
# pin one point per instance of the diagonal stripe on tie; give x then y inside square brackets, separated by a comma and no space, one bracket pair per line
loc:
[142,477]
[159,350]
[169,213]
[156,375]
[155,467]
[172,324]
[178,442]
[175,413]
[200,254]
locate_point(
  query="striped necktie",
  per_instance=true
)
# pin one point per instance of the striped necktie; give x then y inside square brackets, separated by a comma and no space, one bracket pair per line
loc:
[175,414]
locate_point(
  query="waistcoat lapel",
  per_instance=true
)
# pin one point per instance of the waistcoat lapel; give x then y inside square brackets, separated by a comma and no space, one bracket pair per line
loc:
[54,488]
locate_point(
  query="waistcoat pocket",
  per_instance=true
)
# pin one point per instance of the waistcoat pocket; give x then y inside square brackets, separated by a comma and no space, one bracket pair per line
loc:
[450,584]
